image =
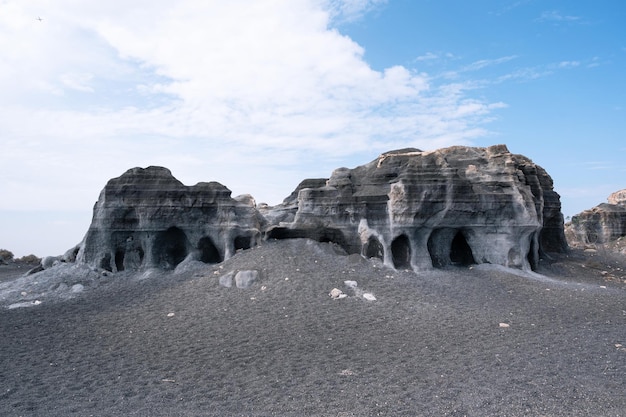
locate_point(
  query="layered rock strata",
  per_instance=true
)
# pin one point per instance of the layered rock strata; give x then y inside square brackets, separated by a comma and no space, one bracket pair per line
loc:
[146,218]
[602,224]
[412,209]
[416,209]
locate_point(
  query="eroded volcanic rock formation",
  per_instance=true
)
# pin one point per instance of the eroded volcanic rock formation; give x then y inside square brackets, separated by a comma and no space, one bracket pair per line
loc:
[147,218]
[602,224]
[412,209]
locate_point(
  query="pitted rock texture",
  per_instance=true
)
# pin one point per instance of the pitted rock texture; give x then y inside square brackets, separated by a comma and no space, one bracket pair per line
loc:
[416,210]
[602,224]
[146,218]
[412,209]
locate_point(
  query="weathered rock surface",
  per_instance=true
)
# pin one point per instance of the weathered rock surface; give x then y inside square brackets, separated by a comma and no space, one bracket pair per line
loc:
[146,218]
[601,224]
[412,209]
[416,209]
[618,198]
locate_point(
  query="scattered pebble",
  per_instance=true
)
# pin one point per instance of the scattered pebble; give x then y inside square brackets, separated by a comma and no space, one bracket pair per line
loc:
[369,297]
[337,294]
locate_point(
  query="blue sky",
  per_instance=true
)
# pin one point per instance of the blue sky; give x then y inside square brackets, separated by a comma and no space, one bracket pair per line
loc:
[261,94]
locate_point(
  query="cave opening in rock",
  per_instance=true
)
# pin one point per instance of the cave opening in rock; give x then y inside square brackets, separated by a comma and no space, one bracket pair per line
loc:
[374,249]
[324,235]
[208,251]
[460,251]
[170,247]
[285,233]
[105,262]
[330,235]
[119,260]
[401,252]
[243,242]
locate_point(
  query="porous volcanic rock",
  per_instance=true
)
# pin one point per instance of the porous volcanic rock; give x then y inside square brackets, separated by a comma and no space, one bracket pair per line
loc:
[601,224]
[416,209]
[410,208]
[146,218]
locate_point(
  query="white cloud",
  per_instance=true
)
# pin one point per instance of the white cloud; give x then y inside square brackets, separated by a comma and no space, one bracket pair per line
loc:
[568,64]
[556,16]
[428,56]
[243,92]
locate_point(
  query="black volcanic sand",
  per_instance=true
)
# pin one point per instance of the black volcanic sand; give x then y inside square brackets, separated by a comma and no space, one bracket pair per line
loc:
[431,344]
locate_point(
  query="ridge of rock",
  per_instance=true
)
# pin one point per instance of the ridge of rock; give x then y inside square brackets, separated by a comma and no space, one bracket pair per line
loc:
[412,209]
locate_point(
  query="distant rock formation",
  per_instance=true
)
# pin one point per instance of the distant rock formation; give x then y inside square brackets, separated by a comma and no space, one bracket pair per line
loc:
[601,224]
[410,208]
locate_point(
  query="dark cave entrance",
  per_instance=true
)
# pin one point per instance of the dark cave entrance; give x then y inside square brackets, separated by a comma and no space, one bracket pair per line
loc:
[243,242]
[208,251]
[374,249]
[119,260]
[448,246]
[460,251]
[105,262]
[170,247]
[401,252]
[323,235]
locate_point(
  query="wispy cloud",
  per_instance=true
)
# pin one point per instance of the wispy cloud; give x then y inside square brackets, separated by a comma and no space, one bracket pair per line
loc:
[568,64]
[350,10]
[477,65]
[428,56]
[507,7]
[558,17]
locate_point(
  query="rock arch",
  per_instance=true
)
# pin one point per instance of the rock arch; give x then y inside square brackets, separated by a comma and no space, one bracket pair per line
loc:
[170,248]
[320,234]
[401,252]
[448,246]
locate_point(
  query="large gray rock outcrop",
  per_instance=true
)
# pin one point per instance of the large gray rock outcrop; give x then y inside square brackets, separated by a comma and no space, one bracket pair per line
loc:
[412,209]
[146,218]
[416,209]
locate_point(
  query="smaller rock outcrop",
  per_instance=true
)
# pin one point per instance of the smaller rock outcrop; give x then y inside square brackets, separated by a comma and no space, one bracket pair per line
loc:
[602,224]
[146,218]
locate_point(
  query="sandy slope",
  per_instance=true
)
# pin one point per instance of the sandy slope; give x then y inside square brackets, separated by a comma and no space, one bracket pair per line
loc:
[179,344]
